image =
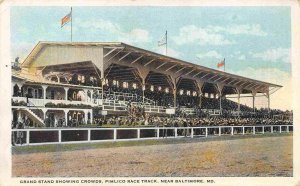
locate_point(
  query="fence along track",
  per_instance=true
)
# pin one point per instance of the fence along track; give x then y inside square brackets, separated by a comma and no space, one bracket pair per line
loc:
[87,135]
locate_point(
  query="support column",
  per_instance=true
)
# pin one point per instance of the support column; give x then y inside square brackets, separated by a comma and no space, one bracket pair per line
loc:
[66,117]
[175,96]
[220,131]
[239,90]
[200,100]
[253,100]
[143,72]
[44,91]
[92,117]
[85,116]
[253,130]
[243,130]
[268,96]
[102,85]
[66,93]
[231,131]
[199,85]
[220,89]
[92,93]
[143,89]
[86,95]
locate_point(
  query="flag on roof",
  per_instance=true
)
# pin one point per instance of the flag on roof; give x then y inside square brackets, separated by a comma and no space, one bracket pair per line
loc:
[221,63]
[163,40]
[66,19]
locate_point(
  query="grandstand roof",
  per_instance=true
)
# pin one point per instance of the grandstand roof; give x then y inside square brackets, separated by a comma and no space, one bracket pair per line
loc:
[121,60]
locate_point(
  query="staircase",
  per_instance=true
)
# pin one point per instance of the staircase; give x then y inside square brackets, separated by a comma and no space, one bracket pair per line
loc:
[36,119]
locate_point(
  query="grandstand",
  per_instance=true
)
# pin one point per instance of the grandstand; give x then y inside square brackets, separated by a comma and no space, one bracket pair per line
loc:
[75,84]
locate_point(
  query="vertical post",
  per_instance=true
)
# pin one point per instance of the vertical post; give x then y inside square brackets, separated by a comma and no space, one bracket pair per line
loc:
[85,116]
[175,96]
[102,87]
[66,117]
[166,42]
[192,132]
[200,100]
[206,132]
[253,130]
[263,129]
[272,129]
[239,102]
[44,91]
[59,135]
[175,132]
[89,134]
[243,130]
[66,93]
[157,133]
[138,133]
[220,89]
[280,129]
[27,137]
[143,89]
[220,131]
[231,131]
[253,99]
[115,134]
[287,129]
[92,117]
[220,97]
[268,96]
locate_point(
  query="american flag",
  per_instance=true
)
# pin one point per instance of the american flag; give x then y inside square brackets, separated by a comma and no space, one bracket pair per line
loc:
[66,19]
[222,63]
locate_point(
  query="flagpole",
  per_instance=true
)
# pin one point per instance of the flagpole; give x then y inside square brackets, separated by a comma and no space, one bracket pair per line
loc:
[71,24]
[166,42]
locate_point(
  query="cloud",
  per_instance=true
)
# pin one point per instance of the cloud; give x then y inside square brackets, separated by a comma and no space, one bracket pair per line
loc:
[274,55]
[244,29]
[242,57]
[211,54]
[136,35]
[214,35]
[200,36]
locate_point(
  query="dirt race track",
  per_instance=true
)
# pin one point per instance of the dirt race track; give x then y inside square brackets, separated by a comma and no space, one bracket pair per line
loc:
[260,156]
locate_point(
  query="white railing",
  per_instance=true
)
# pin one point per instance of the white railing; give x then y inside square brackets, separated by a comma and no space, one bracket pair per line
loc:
[83,135]
[19,99]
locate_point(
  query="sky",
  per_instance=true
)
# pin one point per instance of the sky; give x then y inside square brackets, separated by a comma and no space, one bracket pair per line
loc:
[255,41]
